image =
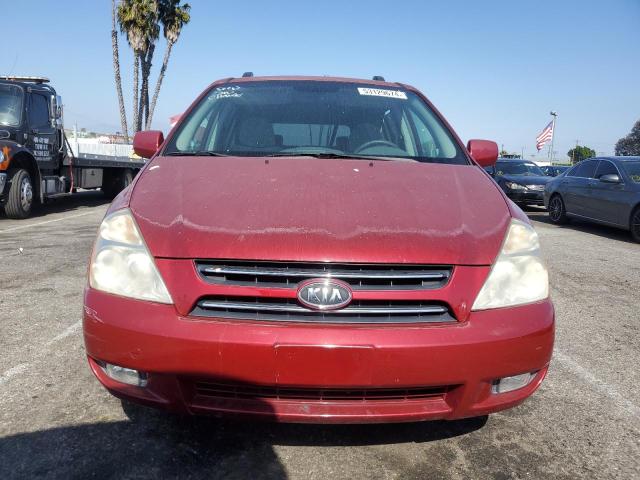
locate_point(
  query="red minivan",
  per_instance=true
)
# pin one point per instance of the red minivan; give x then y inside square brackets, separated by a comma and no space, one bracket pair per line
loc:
[315,249]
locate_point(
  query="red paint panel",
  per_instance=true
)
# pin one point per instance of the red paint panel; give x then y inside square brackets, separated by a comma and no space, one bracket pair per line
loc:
[392,212]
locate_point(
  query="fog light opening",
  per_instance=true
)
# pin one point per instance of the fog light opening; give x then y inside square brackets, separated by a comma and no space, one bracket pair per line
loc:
[128,376]
[509,384]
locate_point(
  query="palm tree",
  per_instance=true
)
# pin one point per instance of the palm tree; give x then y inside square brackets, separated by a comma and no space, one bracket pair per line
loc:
[138,21]
[152,32]
[116,71]
[144,88]
[173,17]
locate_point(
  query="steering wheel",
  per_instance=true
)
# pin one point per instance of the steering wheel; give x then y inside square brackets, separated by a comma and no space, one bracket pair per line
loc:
[376,143]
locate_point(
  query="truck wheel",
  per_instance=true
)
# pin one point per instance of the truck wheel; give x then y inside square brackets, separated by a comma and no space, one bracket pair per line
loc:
[116,181]
[20,198]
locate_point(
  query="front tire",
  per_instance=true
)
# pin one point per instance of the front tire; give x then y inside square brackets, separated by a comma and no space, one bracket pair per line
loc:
[634,224]
[20,198]
[115,181]
[557,210]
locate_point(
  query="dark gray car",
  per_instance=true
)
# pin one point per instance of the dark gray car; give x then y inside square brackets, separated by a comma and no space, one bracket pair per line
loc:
[604,190]
[521,180]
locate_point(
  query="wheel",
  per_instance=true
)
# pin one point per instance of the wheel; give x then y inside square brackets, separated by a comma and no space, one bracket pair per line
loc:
[634,224]
[114,181]
[557,212]
[20,198]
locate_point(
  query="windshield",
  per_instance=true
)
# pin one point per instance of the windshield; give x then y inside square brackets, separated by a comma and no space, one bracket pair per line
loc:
[518,168]
[633,170]
[10,105]
[273,118]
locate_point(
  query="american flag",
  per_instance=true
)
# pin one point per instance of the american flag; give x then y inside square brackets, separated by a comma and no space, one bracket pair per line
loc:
[174,119]
[545,136]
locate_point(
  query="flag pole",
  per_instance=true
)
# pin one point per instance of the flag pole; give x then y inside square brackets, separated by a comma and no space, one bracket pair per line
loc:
[553,135]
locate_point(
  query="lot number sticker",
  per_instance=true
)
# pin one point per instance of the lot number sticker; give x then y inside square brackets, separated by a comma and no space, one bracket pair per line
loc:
[376,92]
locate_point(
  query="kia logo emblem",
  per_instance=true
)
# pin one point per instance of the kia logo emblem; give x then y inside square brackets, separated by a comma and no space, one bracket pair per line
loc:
[324,294]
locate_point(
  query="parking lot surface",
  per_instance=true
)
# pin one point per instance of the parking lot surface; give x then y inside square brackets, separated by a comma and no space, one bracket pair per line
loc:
[56,421]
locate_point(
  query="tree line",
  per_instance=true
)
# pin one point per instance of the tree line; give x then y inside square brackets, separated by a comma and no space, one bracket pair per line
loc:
[630,145]
[141,22]
[626,146]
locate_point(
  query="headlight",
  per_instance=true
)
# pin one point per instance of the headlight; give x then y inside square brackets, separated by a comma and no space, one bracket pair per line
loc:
[514,186]
[518,276]
[121,263]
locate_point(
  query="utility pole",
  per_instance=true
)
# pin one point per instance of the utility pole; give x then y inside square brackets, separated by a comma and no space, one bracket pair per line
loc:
[75,138]
[554,114]
[522,153]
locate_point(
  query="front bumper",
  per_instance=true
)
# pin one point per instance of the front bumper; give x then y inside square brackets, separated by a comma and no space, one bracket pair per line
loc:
[318,373]
[526,197]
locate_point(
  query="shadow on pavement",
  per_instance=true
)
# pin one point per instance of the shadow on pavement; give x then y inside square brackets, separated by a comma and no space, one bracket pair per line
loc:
[586,227]
[361,435]
[153,444]
[77,201]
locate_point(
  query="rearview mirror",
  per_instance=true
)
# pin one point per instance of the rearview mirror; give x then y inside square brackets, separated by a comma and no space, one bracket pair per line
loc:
[610,178]
[147,143]
[484,152]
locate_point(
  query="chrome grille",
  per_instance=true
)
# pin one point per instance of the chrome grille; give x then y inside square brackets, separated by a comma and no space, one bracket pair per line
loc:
[290,274]
[358,311]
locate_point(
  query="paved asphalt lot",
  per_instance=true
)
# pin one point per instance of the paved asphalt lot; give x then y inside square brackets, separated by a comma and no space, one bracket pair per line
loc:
[56,421]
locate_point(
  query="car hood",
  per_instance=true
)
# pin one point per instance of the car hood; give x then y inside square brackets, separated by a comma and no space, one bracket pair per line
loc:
[527,179]
[309,209]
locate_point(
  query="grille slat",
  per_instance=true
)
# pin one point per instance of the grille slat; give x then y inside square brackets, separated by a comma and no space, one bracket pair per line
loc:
[218,390]
[351,274]
[358,311]
[289,274]
[286,307]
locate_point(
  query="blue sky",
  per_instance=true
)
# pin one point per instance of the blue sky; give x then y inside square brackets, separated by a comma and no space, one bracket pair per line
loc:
[494,68]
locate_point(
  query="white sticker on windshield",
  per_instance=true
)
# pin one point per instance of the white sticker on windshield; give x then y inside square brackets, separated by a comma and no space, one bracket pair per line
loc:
[227,92]
[377,92]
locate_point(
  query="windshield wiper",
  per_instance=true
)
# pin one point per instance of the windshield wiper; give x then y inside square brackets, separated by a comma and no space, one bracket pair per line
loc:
[206,153]
[335,155]
[201,153]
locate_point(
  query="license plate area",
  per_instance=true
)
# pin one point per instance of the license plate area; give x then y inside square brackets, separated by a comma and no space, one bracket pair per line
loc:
[331,365]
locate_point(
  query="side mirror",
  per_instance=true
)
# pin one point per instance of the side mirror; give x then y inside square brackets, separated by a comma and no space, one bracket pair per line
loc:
[147,143]
[484,152]
[610,178]
[56,111]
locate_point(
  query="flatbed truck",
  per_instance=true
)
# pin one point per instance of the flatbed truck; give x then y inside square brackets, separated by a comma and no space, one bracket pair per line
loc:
[37,163]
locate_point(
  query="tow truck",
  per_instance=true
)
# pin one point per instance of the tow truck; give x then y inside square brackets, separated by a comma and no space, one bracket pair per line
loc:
[37,163]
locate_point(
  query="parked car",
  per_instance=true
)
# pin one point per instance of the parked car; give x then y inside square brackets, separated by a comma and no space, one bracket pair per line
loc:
[523,181]
[603,190]
[317,250]
[554,170]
